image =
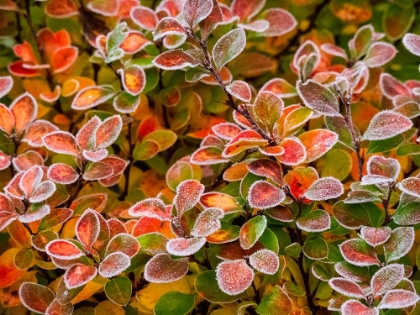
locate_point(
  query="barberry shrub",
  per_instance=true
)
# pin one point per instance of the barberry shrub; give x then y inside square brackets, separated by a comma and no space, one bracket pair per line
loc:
[182,157]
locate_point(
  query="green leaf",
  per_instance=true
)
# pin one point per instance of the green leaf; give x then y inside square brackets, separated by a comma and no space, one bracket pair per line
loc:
[152,76]
[228,47]
[338,125]
[407,214]
[24,258]
[145,150]
[397,20]
[251,231]
[315,249]
[118,290]
[6,144]
[85,311]
[164,138]
[175,303]
[293,289]
[336,163]
[380,146]
[354,216]
[275,302]
[293,250]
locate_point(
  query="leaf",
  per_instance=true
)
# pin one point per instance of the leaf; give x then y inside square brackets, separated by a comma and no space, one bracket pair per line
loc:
[40,240]
[412,43]
[220,200]
[361,41]
[410,186]
[325,188]
[63,58]
[144,17]
[379,54]
[375,236]
[185,246]
[63,249]
[134,42]
[187,195]
[228,47]
[275,302]
[92,96]
[359,253]
[207,222]
[347,287]
[133,79]
[391,87]
[24,258]
[97,170]
[354,216]
[281,22]
[295,120]
[407,214]
[114,264]
[251,231]
[267,109]
[386,279]
[234,276]
[87,228]
[25,161]
[226,131]
[61,9]
[280,87]
[195,11]
[387,124]
[246,139]
[57,308]
[240,90]
[246,10]
[208,155]
[353,273]
[164,138]
[108,131]
[265,261]
[6,84]
[174,60]
[124,243]
[163,269]
[318,98]
[61,142]
[387,167]
[266,168]
[24,110]
[294,152]
[78,275]
[353,307]
[106,8]
[168,26]
[315,249]
[62,174]
[35,297]
[314,221]
[396,21]
[211,21]
[397,299]
[317,142]
[264,195]
[151,208]
[175,303]
[399,243]
[300,179]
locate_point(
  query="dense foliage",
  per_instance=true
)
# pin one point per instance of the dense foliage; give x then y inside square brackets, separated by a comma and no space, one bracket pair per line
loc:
[209,157]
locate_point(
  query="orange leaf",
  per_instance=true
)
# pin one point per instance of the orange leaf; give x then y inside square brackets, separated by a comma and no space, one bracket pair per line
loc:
[9,272]
[92,96]
[61,8]
[63,58]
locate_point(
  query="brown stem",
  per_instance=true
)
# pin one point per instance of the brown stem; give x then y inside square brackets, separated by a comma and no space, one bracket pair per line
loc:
[385,203]
[130,159]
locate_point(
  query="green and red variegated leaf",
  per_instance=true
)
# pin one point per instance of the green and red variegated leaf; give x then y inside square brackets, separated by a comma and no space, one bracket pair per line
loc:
[353,307]
[240,90]
[208,155]
[133,79]
[251,231]
[97,170]
[317,142]
[220,200]
[265,261]
[264,195]
[86,138]
[357,214]
[351,272]
[398,299]
[61,8]
[412,43]
[195,11]
[40,240]
[226,130]
[61,142]
[168,26]
[163,269]
[387,167]
[359,253]
[379,54]
[114,264]
[319,98]
[226,234]
[361,41]
[56,217]
[124,243]
[410,186]
[24,258]
[185,246]
[387,124]
[280,87]
[24,110]
[87,228]
[92,96]
[115,227]
[234,276]
[165,138]
[294,152]
[246,139]
[300,179]
[151,208]
[280,213]
[63,249]
[94,201]
[399,243]
[280,21]
[144,17]
[268,108]
[347,287]
[57,308]
[188,193]
[25,161]
[153,243]
[134,42]
[266,168]
[314,221]
[207,222]
[78,275]
[170,96]
[108,131]
[119,290]
[6,84]
[211,21]
[334,50]
[375,236]
[228,47]
[386,279]
[174,60]
[62,173]
[325,188]
[295,120]
[35,297]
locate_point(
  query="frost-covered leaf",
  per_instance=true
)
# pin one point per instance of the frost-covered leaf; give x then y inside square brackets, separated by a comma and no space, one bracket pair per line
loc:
[62,173]
[7,121]
[410,186]
[87,228]
[265,261]
[359,253]
[124,243]
[386,279]
[315,249]
[375,236]
[379,165]
[114,264]
[36,212]
[334,50]
[246,139]
[24,110]
[63,249]
[175,59]
[352,272]
[264,195]
[275,302]
[35,297]
[220,200]
[92,96]
[188,194]
[163,269]
[318,98]
[325,188]
[300,179]
[133,79]
[317,142]
[361,41]
[267,109]
[6,84]
[399,243]
[57,308]
[134,42]
[97,170]
[294,151]
[168,26]
[266,168]
[25,161]
[42,192]
[412,43]
[391,87]
[226,131]
[314,221]
[78,275]
[387,124]
[251,231]
[347,287]
[108,131]
[208,155]
[195,11]
[281,22]
[185,246]
[150,207]
[379,54]
[118,290]
[280,87]
[353,307]
[144,17]
[228,47]
[398,299]
[240,90]
[207,222]
[246,9]
[61,142]
[234,276]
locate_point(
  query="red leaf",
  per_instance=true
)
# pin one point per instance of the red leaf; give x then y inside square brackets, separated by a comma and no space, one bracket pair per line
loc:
[207,222]
[86,138]
[397,299]
[144,17]
[134,42]
[195,11]
[391,87]
[35,213]
[97,170]
[42,192]
[207,155]
[61,142]
[168,26]
[347,287]
[133,79]
[123,243]
[30,180]
[104,7]
[245,10]
[387,124]
[412,43]
[281,22]
[240,90]
[118,164]
[334,50]
[87,228]
[325,188]
[379,54]
[212,20]
[62,174]
[264,195]
[300,179]
[294,152]
[56,308]
[26,160]
[92,96]
[188,193]
[375,236]
[35,297]
[244,140]
[387,167]
[234,276]
[317,142]
[314,221]
[36,130]
[4,161]
[19,68]
[6,84]
[151,208]
[359,253]
[24,109]
[163,269]
[266,168]
[226,131]
[280,87]
[63,249]
[386,279]
[353,307]
[114,264]
[95,156]
[7,212]
[78,275]
[108,131]
[61,9]
[265,261]
[185,246]
[174,59]
[63,58]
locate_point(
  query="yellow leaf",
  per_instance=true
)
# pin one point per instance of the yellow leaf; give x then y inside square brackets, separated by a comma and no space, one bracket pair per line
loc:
[109,308]
[90,289]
